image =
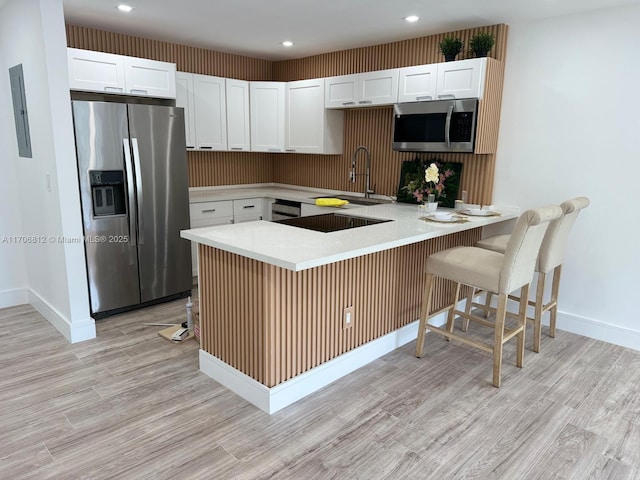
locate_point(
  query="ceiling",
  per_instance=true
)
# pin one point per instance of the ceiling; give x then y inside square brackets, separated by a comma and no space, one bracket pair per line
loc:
[256,28]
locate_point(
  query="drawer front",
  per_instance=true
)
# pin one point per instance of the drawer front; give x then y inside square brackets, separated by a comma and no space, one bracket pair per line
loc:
[247,206]
[205,210]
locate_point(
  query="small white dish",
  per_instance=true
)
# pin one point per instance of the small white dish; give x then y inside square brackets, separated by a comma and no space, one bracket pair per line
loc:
[478,212]
[443,216]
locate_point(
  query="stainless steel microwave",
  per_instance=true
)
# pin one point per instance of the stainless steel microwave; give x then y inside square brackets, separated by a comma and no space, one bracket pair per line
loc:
[438,126]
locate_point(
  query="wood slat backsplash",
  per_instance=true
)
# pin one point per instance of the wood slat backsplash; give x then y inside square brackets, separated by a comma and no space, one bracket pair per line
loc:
[369,127]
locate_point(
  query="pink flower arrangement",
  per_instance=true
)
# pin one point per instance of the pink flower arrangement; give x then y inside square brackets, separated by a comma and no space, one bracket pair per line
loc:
[431,184]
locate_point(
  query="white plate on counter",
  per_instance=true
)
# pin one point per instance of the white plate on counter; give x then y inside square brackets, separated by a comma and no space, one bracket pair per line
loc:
[443,218]
[478,212]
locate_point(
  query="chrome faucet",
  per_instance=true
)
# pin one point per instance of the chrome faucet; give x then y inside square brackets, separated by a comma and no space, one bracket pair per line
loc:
[352,174]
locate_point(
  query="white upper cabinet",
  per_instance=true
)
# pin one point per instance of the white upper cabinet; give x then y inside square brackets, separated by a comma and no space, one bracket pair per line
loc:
[267,116]
[362,89]
[108,73]
[440,81]
[416,84]
[210,112]
[378,88]
[95,71]
[149,77]
[341,92]
[461,79]
[184,99]
[310,128]
[238,133]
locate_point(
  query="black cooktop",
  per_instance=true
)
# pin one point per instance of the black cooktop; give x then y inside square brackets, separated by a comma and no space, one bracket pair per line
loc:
[330,222]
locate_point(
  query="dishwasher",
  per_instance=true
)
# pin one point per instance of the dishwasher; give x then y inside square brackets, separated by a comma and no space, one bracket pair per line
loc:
[282,209]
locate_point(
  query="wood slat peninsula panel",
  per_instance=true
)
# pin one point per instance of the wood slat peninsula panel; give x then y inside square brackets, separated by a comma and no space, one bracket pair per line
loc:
[273,324]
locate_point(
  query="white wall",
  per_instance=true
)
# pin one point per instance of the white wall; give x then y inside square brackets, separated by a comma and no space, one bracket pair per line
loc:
[570,126]
[13,278]
[32,33]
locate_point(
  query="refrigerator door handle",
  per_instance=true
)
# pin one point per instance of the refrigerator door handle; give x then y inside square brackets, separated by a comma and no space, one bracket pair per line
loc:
[136,162]
[128,166]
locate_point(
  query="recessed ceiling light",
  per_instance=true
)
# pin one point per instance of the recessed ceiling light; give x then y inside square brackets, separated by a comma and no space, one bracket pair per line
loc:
[412,18]
[124,8]
[287,43]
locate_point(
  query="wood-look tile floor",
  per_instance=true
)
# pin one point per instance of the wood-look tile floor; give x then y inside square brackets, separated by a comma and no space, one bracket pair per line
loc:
[131,405]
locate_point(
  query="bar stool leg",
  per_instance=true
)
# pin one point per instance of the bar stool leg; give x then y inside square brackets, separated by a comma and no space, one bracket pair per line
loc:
[538,309]
[522,323]
[451,318]
[467,307]
[555,287]
[501,313]
[487,304]
[424,314]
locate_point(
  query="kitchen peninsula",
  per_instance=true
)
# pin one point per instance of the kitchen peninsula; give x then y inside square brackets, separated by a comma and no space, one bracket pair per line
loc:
[285,311]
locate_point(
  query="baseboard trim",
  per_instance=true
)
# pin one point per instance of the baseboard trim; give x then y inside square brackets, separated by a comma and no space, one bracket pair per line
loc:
[14,297]
[271,400]
[73,331]
[588,327]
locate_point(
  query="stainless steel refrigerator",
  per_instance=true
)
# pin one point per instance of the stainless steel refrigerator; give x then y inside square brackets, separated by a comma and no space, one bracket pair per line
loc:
[133,185]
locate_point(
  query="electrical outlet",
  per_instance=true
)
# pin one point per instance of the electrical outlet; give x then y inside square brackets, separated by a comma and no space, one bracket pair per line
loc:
[347,317]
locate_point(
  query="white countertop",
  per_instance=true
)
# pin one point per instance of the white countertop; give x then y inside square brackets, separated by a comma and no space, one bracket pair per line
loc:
[298,249]
[266,190]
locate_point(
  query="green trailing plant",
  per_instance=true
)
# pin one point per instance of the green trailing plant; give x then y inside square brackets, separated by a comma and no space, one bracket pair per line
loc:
[481,43]
[450,46]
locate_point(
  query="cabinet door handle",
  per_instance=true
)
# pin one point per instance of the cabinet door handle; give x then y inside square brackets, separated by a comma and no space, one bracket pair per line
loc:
[113,89]
[206,148]
[190,146]
[210,210]
[138,90]
[363,102]
[424,97]
[249,206]
[274,150]
[348,103]
[290,150]
[236,148]
[446,95]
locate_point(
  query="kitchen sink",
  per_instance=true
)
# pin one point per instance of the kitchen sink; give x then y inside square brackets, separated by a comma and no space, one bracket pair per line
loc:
[357,200]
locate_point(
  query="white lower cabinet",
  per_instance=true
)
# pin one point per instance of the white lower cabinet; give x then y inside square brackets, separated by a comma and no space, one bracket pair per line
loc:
[248,210]
[223,212]
[208,214]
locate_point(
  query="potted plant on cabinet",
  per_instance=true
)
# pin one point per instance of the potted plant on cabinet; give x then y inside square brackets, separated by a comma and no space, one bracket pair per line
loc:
[450,47]
[481,43]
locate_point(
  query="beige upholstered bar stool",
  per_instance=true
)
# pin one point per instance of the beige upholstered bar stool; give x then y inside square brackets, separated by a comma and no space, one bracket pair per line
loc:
[552,253]
[493,272]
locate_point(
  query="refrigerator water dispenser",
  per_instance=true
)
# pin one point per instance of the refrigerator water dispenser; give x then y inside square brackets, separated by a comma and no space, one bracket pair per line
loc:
[107,192]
